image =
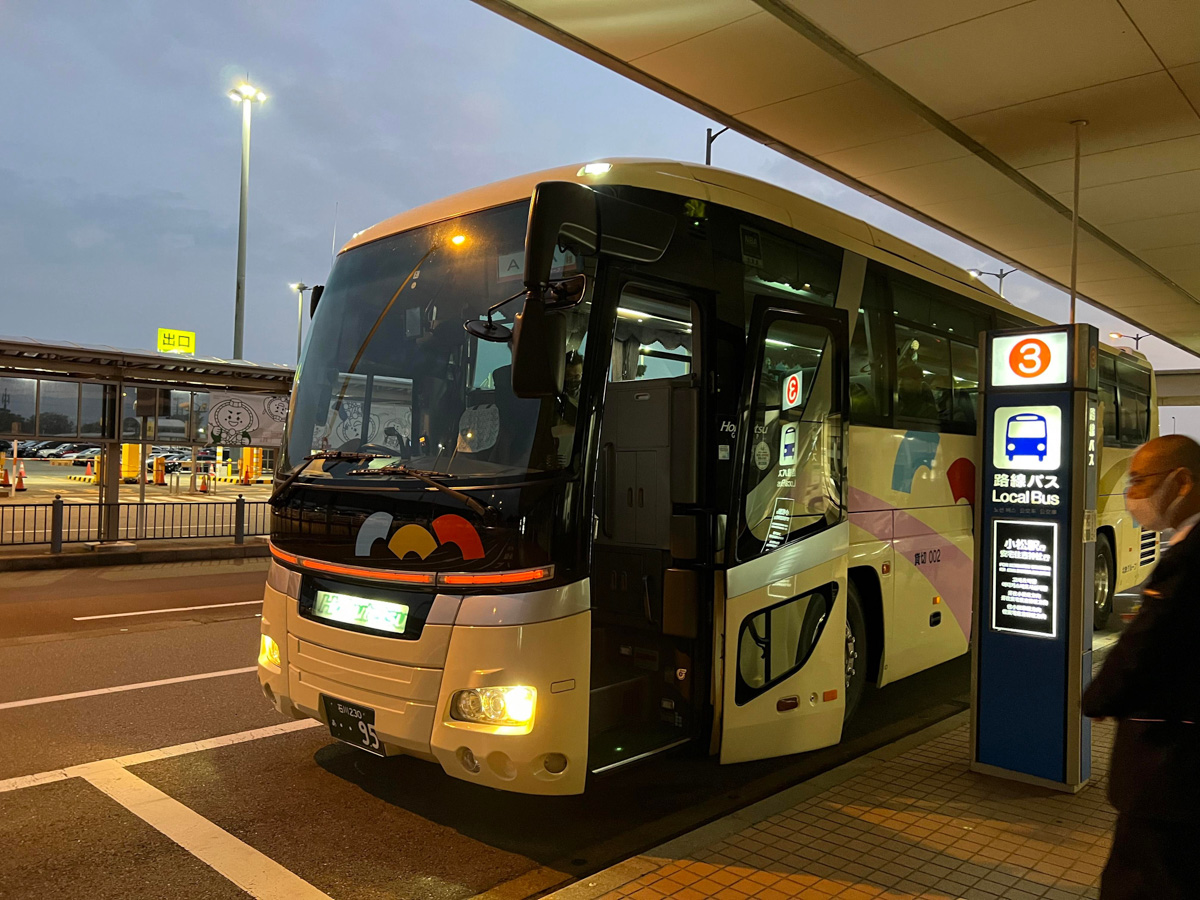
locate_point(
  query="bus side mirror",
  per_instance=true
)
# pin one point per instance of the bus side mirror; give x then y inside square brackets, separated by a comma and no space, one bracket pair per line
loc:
[314,299]
[539,362]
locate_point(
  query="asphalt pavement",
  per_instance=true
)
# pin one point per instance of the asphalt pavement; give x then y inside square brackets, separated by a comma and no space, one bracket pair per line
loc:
[140,760]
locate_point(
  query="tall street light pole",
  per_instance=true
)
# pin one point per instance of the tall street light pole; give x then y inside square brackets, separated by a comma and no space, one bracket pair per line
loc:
[999,276]
[247,95]
[299,287]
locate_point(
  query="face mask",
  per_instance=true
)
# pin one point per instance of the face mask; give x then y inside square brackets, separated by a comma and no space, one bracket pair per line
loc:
[1154,512]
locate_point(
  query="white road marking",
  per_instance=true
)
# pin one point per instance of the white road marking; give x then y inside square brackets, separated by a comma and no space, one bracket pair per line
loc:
[256,874]
[136,759]
[150,612]
[36,701]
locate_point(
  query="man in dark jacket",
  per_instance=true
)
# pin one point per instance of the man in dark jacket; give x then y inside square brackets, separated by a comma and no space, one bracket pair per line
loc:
[1150,683]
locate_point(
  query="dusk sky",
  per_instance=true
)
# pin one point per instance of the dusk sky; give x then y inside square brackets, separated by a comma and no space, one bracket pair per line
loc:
[119,162]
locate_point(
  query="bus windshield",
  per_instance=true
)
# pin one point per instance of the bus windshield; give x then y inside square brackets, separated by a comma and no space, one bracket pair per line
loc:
[389,368]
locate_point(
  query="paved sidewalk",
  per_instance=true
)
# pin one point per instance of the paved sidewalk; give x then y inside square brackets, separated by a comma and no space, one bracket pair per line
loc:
[907,821]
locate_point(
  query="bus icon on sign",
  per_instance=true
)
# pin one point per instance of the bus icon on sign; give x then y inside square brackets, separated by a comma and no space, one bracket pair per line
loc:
[1025,436]
[793,390]
[787,445]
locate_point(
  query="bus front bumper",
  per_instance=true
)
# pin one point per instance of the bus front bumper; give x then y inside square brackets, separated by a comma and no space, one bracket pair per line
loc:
[412,702]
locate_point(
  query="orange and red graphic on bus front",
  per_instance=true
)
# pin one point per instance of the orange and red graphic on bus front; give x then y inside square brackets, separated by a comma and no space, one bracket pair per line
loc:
[1029,358]
[412,538]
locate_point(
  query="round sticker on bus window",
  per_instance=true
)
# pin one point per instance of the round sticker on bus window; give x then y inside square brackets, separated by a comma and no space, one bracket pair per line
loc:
[762,456]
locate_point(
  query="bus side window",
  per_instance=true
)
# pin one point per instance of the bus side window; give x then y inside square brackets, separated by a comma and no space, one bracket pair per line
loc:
[964,364]
[868,371]
[653,339]
[1134,405]
[1108,399]
[924,387]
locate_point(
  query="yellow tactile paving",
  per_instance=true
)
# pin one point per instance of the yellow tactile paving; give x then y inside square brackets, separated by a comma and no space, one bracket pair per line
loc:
[919,825]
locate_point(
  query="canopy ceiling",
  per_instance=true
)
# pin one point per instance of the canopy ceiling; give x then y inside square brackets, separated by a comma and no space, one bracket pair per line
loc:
[957,111]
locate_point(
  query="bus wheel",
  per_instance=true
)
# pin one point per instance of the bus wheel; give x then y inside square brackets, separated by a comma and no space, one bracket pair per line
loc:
[1105,582]
[856,650]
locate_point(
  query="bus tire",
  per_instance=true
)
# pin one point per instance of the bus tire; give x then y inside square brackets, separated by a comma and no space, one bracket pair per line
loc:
[857,652]
[1106,582]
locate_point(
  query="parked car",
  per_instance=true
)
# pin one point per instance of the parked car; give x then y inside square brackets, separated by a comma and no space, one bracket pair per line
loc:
[209,454]
[49,451]
[76,449]
[83,457]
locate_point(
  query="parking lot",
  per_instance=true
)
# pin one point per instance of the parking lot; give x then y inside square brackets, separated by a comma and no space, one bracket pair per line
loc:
[44,479]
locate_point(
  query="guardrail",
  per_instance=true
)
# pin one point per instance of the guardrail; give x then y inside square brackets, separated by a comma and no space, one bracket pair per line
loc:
[59,523]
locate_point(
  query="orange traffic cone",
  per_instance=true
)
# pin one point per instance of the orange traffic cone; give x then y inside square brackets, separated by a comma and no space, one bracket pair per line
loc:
[204,483]
[21,478]
[21,474]
[4,482]
[88,473]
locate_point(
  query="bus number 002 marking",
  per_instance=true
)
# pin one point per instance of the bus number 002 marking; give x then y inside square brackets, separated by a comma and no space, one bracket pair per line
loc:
[1029,358]
[927,557]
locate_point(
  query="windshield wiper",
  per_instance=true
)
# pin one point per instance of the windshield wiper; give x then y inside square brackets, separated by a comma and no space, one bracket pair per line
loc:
[279,494]
[480,509]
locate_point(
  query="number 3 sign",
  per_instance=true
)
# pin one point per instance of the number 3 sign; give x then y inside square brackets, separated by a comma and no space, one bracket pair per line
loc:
[1030,359]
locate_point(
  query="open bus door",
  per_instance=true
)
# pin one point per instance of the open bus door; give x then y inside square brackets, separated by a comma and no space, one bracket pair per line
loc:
[783,684]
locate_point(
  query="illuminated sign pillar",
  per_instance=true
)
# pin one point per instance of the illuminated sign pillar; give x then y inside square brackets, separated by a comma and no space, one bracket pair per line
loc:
[1035,533]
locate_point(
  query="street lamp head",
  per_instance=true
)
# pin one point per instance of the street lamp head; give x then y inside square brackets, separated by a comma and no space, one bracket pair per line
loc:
[1115,335]
[245,91]
[299,286]
[974,273]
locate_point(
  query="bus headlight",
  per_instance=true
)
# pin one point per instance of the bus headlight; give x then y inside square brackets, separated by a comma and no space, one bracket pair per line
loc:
[268,653]
[513,706]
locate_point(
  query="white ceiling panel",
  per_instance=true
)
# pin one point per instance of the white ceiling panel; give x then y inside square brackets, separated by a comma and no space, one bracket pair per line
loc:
[1171,27]
[1188,79]
[1133,111]
[865,25]
[958,111]
[965,178]
[630,29]
[1114,166]
[1023,53]
[765,63]
[812,120]
[1140,198]
[929,146]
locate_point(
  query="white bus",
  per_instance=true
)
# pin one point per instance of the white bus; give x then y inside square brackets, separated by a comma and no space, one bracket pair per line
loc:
[607,460]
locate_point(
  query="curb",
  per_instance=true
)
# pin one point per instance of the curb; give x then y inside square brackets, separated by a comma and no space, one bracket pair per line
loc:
[47,560]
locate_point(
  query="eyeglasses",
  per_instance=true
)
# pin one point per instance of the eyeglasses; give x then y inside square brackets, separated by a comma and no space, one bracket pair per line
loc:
[1145,477]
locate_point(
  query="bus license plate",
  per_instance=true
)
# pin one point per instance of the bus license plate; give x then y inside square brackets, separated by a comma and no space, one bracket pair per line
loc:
[353,724]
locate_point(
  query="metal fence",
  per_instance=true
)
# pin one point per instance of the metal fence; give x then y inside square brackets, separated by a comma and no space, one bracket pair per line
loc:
[59,522]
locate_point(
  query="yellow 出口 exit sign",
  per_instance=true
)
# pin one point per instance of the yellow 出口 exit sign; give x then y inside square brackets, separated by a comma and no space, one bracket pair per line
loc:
[171,340]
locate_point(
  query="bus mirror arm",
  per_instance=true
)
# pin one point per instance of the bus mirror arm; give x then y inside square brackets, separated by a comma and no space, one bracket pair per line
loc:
[314,298]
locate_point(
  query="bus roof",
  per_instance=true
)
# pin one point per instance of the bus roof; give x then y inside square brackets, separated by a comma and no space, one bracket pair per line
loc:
[718,186]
